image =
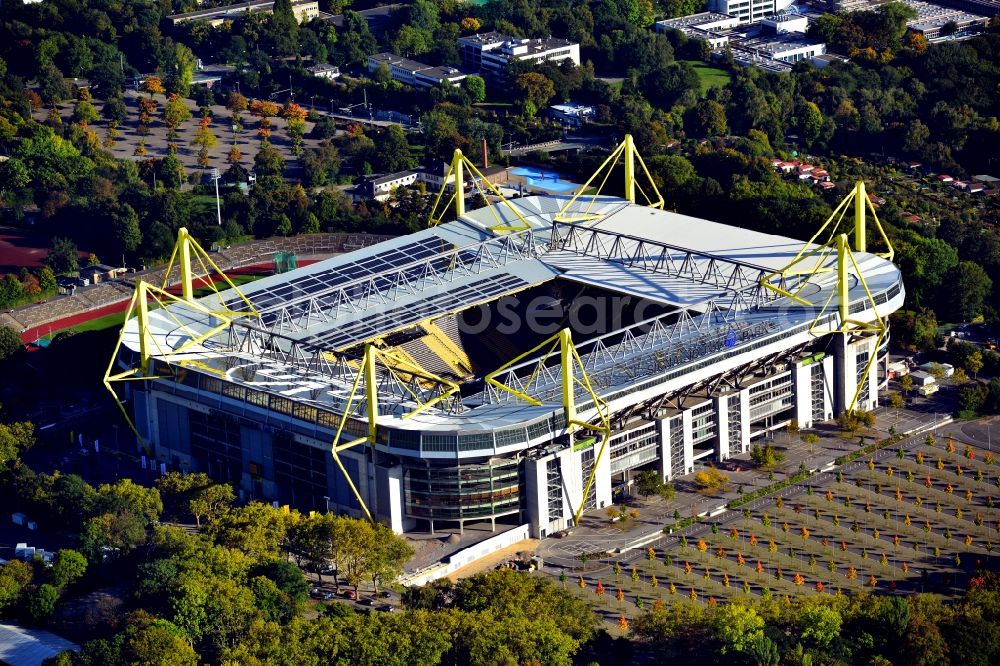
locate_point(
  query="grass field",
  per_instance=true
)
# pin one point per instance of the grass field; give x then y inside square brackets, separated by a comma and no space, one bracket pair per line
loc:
[710,77]
[116,319]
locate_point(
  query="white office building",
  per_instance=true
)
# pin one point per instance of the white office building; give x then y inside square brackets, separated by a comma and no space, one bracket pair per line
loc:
[749,11]
[490,53]
[414,73]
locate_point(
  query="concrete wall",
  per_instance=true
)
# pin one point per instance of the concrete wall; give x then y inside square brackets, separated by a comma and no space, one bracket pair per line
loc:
[467,556]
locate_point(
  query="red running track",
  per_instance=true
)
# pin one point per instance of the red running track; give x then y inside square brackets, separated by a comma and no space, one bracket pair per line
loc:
[36,332]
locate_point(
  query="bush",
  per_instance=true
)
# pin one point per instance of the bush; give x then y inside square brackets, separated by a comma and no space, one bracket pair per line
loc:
[766,456]
[711,479]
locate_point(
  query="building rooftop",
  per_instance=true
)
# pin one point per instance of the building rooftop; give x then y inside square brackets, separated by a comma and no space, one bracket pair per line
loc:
[508,43]
[391,59]
[695,20]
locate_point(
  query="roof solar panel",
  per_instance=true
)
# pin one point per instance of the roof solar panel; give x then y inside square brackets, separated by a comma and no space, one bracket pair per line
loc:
[370,264]
[459,298]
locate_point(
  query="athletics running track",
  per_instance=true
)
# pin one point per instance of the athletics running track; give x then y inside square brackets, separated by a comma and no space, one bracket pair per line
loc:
[43,330]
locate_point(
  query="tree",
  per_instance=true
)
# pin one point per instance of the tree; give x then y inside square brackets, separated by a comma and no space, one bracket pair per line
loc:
[974,363]
[14,577]
[171,172]
[535,88]
[237,104]
[84,112]
[295,115]
[67,567]
[175,112]
[811,122]
[896,400]
[737,626]
[14,438]
[711,479]
[211,501]
[153,86]
[766,456]
[64,257]
[709,119]
[180,66]
[648,482]
[42,603]
[205,140]
[52,84]
[917,136]
[149,640]
[820,625]
[257,529]
[284,28]
[392,151]
[320,164]
[968,288]
[475,87]
[10,343]
[125,229]
[268,162]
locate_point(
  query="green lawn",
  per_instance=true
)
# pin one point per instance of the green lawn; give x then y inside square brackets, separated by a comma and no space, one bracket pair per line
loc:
[116,319]
[710,77]
[101,323]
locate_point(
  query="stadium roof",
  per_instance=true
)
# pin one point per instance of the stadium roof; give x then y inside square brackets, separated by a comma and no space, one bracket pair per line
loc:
[708,270]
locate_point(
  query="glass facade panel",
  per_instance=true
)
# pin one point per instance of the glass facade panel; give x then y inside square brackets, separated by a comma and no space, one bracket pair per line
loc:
[463,492]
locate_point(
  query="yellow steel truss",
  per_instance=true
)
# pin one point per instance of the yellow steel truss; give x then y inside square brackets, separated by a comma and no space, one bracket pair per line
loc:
[139,306]
[187,247]
[569,364]
[399,369]
[813,258]
[627,150]
[840,246]
[455,177]
[821,249]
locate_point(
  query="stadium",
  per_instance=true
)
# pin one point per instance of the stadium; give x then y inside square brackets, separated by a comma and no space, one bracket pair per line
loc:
[515,365]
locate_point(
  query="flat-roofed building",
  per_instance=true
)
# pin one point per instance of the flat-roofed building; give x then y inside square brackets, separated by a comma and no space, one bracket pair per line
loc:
[937,23]
[324,71]
[749,11]
[490,53]
[414,73]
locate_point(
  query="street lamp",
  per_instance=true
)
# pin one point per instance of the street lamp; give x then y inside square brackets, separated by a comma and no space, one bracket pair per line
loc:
[327,498]
[218,202]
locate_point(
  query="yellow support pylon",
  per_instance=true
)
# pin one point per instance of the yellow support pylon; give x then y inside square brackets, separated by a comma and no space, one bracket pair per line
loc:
[396,366]
[184,250]
[626,150]
[455,177]
[569,363]
[839,245]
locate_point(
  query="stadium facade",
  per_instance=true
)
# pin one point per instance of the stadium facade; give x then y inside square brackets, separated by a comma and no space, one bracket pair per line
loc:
[521,362]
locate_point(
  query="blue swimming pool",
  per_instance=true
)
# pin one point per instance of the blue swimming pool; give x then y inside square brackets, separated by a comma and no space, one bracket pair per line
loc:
[547,180]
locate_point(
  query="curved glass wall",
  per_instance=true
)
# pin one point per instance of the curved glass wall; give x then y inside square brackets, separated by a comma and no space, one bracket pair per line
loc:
[459,493]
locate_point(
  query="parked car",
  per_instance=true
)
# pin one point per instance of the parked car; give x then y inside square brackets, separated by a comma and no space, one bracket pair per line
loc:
[315,593]
[385,594]
[327,596]
[350,594]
